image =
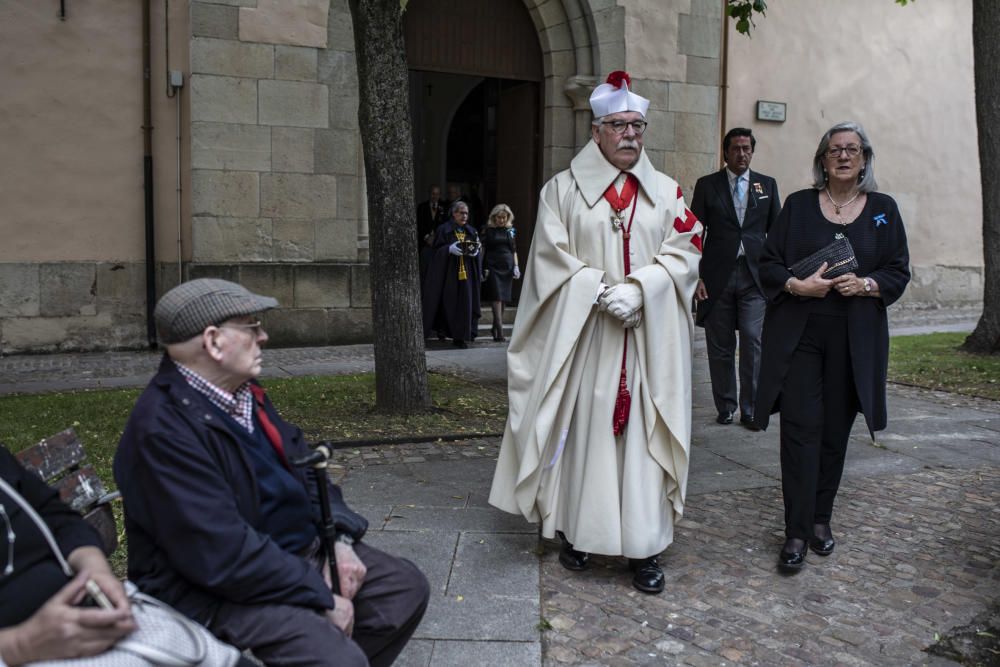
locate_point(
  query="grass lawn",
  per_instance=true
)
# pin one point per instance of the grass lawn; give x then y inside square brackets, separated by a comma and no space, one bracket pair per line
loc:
[935,362]
[326,408]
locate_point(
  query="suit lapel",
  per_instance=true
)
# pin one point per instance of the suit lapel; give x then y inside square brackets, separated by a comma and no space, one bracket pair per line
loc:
[725,195]
[753,201]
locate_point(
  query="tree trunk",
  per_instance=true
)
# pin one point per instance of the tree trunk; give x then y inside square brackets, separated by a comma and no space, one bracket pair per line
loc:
[986,50]
[384,119]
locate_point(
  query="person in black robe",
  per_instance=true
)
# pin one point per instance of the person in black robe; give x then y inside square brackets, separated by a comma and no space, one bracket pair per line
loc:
[452,286]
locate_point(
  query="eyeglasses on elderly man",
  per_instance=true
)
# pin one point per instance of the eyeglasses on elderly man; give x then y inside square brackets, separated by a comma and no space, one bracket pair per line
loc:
[618,126]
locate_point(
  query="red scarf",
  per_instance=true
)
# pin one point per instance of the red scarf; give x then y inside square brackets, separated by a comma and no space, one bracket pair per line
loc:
[270,430]
[619,203]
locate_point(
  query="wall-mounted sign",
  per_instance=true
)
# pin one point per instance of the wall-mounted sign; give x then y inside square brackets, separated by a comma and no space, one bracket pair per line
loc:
[773,111]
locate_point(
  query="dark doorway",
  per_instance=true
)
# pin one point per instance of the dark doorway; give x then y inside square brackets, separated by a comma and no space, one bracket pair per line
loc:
[475,101]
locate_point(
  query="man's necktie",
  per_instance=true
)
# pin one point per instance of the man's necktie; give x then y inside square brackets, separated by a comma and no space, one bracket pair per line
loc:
[739,198]
[270,430]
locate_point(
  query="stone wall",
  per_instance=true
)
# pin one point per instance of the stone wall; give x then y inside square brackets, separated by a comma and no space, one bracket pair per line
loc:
[672,51]
[55,306]
[272,186]
[915,99]
[277,188]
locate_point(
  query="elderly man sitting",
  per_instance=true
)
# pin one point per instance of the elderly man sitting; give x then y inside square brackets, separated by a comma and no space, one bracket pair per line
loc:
[222,527]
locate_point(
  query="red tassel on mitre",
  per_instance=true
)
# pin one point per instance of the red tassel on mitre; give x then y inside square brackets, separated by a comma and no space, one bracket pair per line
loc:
[618,77]
[622,405]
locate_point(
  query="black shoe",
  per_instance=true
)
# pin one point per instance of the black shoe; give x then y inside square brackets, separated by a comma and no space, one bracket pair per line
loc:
[724,418]
[747,423]
[822,543]
[790,560]
[570,558]
[460,344]
[648,576]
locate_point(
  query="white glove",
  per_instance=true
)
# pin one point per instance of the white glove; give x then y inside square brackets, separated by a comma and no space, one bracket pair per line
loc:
[454,249]
[517,273]
[621,300]
[474,254]
[633,321]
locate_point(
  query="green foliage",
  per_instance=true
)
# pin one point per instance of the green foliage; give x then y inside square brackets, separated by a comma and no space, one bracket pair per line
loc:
[935,361]
[743,10]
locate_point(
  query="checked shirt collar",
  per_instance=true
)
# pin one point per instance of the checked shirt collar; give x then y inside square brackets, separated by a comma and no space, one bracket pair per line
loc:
[239,406]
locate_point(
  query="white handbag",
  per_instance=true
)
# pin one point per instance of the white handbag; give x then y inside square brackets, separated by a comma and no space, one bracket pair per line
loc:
[164,635]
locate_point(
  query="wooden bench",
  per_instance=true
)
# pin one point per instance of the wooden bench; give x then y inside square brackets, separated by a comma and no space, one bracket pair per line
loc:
[60,461]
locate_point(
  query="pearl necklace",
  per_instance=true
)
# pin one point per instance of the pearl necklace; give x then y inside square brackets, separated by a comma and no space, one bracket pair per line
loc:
[836,206]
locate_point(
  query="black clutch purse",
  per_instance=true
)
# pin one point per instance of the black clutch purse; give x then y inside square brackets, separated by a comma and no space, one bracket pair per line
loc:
[469,247]
[839,258]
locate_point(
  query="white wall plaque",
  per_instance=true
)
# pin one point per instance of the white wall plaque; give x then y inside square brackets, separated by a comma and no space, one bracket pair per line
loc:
[773,111]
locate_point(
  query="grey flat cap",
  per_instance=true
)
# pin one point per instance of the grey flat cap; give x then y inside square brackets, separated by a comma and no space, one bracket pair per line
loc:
[186,310]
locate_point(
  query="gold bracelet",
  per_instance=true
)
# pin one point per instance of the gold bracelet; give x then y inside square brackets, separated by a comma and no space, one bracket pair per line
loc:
[788,286]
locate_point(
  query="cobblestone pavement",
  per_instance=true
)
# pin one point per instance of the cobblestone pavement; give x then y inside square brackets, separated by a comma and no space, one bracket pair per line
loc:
[916,555]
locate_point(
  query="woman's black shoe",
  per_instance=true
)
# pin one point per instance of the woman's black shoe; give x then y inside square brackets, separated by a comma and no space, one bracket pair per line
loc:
[822,542]
[570,558]
[460,344]
[648,576]
[792,557]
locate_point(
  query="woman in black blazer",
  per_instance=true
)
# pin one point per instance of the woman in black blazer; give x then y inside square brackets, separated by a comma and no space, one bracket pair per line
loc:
[825,345]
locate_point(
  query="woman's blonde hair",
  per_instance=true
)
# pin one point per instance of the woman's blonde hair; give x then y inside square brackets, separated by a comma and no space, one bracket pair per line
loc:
[501,208]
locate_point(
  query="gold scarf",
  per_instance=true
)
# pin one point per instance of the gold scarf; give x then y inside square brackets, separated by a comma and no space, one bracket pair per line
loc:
[462,275]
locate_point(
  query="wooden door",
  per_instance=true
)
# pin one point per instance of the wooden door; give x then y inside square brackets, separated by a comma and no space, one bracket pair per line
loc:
[518,129]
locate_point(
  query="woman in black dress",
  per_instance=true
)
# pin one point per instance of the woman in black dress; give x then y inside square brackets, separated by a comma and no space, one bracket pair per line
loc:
[825,345]
[500,265]
[451,288]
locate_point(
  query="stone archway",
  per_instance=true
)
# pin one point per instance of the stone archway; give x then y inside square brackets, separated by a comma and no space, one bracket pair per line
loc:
[578,44]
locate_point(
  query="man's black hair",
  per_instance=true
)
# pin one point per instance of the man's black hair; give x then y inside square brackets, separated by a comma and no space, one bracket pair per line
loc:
[738,132]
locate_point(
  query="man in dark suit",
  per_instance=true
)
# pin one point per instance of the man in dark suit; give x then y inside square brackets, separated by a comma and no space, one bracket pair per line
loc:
[737,207]
[430,214]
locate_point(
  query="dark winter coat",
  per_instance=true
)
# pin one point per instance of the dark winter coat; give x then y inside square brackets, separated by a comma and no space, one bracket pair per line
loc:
[192,511]
[879,242]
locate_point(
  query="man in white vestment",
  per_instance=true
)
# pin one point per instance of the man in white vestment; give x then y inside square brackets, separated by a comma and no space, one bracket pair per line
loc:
[599,364]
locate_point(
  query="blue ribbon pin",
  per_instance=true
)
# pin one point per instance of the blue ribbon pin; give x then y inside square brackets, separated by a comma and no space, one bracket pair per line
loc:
[880,220]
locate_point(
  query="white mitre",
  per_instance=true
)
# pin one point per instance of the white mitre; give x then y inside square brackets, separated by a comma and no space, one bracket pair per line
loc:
[615,96]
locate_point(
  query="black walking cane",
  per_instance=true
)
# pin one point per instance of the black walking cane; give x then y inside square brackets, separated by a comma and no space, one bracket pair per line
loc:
[317,460]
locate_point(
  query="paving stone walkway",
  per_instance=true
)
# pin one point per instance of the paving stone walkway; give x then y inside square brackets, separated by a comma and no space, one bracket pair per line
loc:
[917,523]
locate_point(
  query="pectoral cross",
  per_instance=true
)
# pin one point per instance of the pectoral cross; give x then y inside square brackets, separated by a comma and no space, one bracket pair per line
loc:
[617,219]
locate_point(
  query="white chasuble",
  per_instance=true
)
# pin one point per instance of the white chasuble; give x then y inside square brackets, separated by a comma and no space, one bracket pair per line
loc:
[560,463]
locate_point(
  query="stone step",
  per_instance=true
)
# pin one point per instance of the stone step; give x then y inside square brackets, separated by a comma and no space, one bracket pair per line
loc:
[487,318]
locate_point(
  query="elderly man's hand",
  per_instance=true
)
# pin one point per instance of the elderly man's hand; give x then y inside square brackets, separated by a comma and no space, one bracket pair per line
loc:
[61,630]
[633,321]
[350,570]
[342,615]
[621,301]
